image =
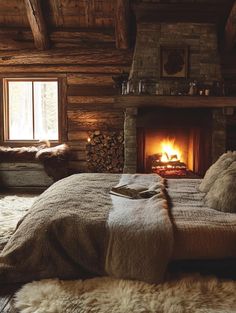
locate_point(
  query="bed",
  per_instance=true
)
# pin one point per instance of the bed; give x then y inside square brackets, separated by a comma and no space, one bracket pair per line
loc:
[200,232]
[77,229]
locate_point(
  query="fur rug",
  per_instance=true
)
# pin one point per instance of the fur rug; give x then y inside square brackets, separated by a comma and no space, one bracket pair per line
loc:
[194,293]
[12,209]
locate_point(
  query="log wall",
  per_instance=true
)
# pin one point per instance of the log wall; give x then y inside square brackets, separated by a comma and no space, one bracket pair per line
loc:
[90,99]
[88,88]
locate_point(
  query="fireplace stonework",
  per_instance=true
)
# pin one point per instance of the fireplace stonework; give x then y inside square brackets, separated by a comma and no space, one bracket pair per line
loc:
[130,140]
[218,136]
[204,65]
[204,62]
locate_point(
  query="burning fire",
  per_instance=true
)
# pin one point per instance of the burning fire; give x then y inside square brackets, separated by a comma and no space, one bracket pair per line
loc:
[170,152]
[168,161]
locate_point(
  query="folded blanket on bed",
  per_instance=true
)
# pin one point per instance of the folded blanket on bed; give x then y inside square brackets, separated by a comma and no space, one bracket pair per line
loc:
[76,228]
[140,232]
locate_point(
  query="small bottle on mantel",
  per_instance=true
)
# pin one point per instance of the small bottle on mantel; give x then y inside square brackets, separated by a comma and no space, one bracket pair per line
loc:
[158,90]
[124,88]
[193,88]
[140,87]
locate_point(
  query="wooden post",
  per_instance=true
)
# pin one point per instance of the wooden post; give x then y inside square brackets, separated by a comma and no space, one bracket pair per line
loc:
[37,24]
[230,30]
[130,140]
[122,22]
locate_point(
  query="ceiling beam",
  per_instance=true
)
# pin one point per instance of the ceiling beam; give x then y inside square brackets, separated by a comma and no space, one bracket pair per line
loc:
[230,30]
[92,56]
[37,24]
[122,24]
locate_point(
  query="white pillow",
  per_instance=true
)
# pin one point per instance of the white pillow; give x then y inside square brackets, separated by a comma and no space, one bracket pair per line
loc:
[222,195]
[214,171]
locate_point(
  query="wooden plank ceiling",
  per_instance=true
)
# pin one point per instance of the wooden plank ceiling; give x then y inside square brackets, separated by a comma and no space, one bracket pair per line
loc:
[26,24]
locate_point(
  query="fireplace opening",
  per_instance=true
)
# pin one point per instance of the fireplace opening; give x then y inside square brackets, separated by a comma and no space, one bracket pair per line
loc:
[174,143]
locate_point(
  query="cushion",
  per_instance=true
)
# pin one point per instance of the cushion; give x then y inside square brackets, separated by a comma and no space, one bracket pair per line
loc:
[222,195]
[218,167]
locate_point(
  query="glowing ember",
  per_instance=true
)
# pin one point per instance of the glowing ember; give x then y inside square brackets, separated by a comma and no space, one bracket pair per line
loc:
[170,152]
[168,161]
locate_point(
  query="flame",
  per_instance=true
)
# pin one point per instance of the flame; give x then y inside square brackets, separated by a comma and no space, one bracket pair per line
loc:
[170,152]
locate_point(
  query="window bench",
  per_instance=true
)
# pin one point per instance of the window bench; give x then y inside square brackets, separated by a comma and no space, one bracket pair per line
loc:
[33,167]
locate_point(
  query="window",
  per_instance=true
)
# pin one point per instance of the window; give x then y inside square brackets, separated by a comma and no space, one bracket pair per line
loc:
[31,109]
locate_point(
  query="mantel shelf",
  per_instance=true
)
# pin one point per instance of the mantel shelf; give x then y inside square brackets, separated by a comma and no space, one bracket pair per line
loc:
[174,101]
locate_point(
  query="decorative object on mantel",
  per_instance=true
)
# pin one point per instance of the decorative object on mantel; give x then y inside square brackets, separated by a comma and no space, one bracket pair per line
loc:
[174,62]
[120,81]
[193,88]
[145,86]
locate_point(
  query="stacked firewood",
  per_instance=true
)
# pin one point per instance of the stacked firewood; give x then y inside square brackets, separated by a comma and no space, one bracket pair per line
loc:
[105,151]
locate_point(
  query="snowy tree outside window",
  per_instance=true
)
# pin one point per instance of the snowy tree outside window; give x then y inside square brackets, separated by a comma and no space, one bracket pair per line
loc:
[32,110]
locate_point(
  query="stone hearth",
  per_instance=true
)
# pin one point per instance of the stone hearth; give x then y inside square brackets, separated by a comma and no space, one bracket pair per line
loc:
[132,116]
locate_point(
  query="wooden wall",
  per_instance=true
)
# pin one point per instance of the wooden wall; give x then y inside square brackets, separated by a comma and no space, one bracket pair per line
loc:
[82,52]
[88,90]
[90,99]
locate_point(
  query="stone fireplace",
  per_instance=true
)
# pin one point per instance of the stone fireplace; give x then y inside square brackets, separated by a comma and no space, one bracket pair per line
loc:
[196,124]
[199,133]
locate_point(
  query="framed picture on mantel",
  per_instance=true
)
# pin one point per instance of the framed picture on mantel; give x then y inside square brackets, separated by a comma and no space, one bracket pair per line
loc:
[174,62]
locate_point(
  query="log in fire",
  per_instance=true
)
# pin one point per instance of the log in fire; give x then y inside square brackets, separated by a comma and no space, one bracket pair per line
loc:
[168,161]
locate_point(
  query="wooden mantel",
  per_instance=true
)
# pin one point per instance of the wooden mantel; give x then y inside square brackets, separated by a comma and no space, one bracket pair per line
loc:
[174,101]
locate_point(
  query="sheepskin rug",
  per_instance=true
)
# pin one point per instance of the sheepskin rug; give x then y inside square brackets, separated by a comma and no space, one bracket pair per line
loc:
[193,293]
[12,209]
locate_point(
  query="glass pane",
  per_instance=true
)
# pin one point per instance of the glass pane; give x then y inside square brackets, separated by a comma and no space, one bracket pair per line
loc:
[20,111]
[46,110]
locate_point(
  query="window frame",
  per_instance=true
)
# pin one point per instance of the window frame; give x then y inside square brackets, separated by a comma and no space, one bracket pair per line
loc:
[5,109]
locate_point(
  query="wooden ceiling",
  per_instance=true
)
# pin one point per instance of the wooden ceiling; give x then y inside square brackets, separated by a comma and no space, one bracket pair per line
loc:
[25,24]
[60,13]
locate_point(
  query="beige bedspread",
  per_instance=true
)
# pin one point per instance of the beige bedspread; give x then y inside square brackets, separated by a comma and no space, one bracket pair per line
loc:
[76,228]
[199,232]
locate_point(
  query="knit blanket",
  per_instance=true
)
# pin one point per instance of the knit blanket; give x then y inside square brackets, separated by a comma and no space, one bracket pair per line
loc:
[200,232]
[77,229]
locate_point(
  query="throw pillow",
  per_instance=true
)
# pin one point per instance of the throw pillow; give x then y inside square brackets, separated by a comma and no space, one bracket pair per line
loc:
[222,195]
[214,171]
